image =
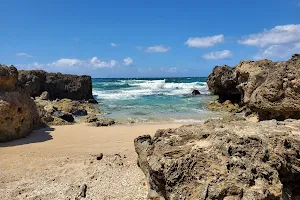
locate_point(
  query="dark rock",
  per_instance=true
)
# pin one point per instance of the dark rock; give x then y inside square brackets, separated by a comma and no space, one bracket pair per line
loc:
[56,84]
[222,159]
[223,82]
[50,111]
[66,116]
[103,122]
[32,81]
[100,156]
[80,112]
[196,92]
[83,191]
[93,101]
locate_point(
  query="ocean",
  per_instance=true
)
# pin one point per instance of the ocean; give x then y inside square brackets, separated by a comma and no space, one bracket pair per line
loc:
[153,99]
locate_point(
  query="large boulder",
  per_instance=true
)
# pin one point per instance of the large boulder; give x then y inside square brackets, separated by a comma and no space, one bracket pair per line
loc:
[32,81]
[222,82]
[223,159]
[196,92]
[57,85]
[270,89]
[18,112]
[9,77]
[68,86]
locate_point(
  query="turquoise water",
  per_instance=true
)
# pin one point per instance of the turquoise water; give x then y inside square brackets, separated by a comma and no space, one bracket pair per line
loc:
[155,99]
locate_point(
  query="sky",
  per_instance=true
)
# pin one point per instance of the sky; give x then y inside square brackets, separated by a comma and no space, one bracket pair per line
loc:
[140,38]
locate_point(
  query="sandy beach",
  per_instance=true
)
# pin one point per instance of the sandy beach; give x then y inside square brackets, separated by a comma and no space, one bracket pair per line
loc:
[55,162]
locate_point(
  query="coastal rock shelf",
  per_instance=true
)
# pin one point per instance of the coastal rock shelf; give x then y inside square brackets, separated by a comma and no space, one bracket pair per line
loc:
[58,85]
[223,159]
[18,112]
[269,89]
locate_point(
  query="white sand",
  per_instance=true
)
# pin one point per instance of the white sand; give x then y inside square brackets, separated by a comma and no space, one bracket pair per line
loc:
[53,163]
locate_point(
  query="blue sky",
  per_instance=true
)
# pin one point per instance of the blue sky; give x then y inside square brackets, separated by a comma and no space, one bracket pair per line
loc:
[139,38]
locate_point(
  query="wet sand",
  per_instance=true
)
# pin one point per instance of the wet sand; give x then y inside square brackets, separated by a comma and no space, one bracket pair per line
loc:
[55,162]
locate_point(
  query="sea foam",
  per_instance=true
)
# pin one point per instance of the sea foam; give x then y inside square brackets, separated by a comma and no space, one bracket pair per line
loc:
[134,89]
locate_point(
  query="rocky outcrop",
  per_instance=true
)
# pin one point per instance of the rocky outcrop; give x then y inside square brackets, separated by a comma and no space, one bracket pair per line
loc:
[226,106]
[93,120]
[196,92]
[223,159]
[9,77]
[57,85]
[103,122]
[62,112]
[222,81]
[270,89]
[18,112]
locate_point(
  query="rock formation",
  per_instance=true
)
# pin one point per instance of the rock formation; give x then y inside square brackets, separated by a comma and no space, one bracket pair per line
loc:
[222,81]
[226,106]
[223,159]
[93,120]
[57,85]
[270,89]
[196,92]
[59,112]
[18,112]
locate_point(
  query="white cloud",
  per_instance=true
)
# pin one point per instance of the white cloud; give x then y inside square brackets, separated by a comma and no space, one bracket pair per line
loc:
[139,48]
[127,61]
[278,51]
[158,49]
[65,62]
[144,70]
[278,35]
[204,41]
[172,69]
[94,63]
[36,65]
[113,44]
[225,54]
[169,70]
[24,55]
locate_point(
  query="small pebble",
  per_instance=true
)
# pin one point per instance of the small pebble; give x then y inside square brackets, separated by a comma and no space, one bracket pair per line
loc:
[100,156]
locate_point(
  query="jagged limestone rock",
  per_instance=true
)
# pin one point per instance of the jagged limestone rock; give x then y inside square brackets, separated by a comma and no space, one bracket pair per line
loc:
[223,159]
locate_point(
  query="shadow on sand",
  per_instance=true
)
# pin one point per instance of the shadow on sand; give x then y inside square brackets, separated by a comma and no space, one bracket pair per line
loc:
[39,135]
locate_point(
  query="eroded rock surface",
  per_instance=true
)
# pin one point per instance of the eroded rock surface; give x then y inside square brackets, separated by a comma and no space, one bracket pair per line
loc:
[225,106]
[61,112]
[223,159]
[18,112]
[58,85]
[94,120]
[270,89]
[222,81]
